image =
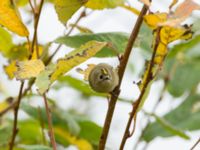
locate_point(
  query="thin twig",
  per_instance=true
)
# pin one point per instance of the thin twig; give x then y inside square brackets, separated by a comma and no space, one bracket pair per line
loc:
[31,82]
[122,67]
[82,15]
[137,103]
[37,18]
[16,109]
[166,80]
[42,126]
[51,133]
[31,5]
[196,143]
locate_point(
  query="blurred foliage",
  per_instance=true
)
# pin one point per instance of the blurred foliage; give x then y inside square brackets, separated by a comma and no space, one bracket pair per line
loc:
[179,67]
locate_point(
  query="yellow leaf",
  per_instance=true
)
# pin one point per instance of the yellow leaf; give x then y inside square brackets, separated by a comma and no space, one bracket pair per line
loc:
[153,20]
[29,69]
[102,4]
[182,12]
[66,8]
[3,105]
[73,140]
[10,19]
[86,72]
[131,9]
[77,57]
[11,69]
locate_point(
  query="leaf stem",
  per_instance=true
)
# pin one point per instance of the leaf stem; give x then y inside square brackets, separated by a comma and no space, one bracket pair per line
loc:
[16,109]
[122,67]
[137,103]
[51,133]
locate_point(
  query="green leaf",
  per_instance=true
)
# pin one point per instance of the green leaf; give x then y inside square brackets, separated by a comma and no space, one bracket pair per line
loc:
[184,76]
[34,147]
[5,134]
[182,66]
[66,8]
[90,131]
[30,132]
[117,40]
[79,85]
[75,125]
[169,127]
[42,80]
[102,4]
[144,39]
[5,41]
[185,117]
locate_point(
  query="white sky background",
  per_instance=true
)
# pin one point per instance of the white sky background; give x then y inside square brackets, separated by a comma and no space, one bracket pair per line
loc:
[119,20]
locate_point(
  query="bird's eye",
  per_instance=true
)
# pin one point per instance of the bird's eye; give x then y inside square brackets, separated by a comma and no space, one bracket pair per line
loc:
[101,76]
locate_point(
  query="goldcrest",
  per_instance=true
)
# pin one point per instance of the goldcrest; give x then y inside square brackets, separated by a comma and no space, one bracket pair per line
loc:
[103,78]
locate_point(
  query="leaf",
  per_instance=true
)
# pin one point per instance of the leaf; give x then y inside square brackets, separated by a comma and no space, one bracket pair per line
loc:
[30,132]
[81,144]
[118,41]
[10,69]
[66,8]
[90,131]
[76,57]
[182,12]
[152,20]
[5,134]
[131,9]
[34,147]
[86,72]
[29,69]
[188,49]
[144,38]
[5,41]
[81,28]
[63,121]
[10,19]
[183,117]
[169,127]
[42,80]
[102,4]
[182,67]
[79,85]
[185,77]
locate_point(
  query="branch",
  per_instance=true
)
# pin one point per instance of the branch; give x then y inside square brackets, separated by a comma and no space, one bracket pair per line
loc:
[122,67]
[31,82]
[137,103]
[16,109]
[197,142]
[37,18]
[51,133]
[82,15]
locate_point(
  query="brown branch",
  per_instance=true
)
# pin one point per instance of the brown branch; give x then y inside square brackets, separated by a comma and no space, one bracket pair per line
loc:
[41,125]
[51,133]
[137,103]
[122,67]
[16,109]
[37,18]
[196,143]
[166,80]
